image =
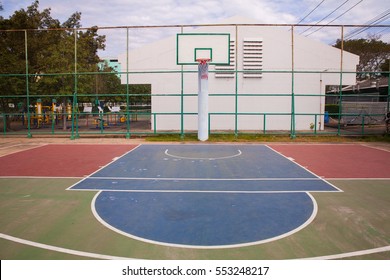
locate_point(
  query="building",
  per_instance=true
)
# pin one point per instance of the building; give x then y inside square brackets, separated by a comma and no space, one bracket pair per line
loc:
[257,91]
[366,102]
[369,90]
[113,63]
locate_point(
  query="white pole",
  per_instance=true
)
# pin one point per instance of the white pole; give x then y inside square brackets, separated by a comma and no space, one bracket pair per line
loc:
[203,101]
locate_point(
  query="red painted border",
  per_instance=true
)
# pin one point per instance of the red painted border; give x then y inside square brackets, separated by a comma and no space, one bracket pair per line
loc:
[60,160]
[339,161]
[78,160]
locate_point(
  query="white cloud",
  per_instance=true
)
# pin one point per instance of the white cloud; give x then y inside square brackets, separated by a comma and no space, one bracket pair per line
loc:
[150,12]
[176,12]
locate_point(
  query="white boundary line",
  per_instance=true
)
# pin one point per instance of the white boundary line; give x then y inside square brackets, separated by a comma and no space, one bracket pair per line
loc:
[216,158]
[112,161]
[305,224]
[204,179]
[376,148]
[27,149]
[22,144]
[39,177]
[351,254]
[60,249]
[358,179]
[195,179]
[11,146]
[320,178]
[109,257]
[194,191]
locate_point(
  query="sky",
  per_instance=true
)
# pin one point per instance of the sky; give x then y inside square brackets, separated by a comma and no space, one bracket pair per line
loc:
[109,13]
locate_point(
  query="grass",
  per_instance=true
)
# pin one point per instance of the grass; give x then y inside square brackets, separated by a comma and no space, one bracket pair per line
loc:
[230,137]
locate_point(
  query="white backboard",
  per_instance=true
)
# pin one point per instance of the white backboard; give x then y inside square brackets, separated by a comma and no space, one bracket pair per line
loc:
[193,46]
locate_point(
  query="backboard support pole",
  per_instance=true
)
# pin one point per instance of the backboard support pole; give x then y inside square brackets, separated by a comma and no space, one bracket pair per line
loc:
[202,49]
[203,99]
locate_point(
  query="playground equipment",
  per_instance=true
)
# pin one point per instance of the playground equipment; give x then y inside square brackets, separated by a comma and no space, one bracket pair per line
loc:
[114,109]
[114,114]
[69,110]
[100,122]
[105,119]
[42,115]
[36,117]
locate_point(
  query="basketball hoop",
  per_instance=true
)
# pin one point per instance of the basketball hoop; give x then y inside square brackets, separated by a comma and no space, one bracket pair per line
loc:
[203,49]
[203,60]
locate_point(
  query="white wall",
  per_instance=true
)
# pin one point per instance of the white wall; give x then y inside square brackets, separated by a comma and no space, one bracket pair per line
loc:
[309,55]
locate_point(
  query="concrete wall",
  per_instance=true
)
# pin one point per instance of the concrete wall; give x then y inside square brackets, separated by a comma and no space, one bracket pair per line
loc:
[309,56]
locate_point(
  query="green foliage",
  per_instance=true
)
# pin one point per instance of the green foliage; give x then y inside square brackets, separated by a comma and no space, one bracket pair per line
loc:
[373,53]
[54,53]
[260,138]
[385,67]
[108,85]
[49,52]
[332,108]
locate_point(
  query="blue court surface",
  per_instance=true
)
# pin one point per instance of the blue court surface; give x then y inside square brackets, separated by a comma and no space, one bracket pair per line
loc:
[205,196]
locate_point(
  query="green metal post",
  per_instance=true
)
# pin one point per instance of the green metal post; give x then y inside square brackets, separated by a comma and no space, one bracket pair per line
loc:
[127,87]
[264,123]
[76,84]
[102,123]
[27,88]
[292,133]
[209,122]
[74,103]
[4,123]
[154,122]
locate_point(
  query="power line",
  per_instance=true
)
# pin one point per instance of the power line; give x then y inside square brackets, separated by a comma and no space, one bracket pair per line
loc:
[377,19]
[311,12]
[325,16]
[384,31]
[336,18]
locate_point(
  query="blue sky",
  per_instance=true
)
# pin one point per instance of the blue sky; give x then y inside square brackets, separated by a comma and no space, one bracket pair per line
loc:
[167,12]
[156,12]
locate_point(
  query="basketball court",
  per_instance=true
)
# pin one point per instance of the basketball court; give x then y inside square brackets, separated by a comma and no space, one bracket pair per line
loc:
[205,196]
[194,201]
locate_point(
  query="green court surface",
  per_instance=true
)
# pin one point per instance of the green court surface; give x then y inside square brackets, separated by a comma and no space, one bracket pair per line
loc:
[41,219]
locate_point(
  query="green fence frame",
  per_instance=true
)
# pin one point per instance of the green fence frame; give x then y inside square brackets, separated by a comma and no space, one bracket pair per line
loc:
[128,130]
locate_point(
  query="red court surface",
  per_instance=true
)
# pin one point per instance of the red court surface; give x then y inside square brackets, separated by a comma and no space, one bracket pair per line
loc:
[60,160]
[339,160]
[78,160]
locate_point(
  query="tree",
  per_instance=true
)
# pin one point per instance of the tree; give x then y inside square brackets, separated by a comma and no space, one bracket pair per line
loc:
[108,84]
[51,50]
[385,67]
[372,51]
